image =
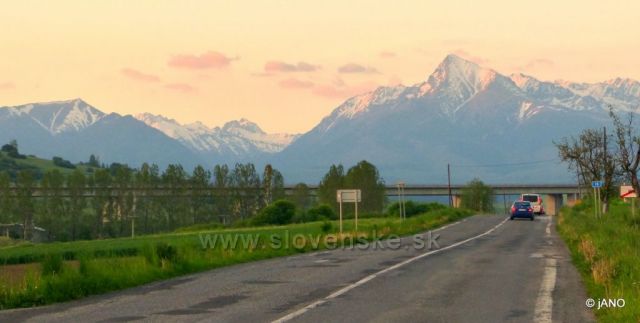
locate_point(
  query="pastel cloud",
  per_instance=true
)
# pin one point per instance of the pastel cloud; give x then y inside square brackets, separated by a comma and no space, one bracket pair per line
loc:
[353,68]
[208,60]
[181,87]
[279,66]
[292,83]
[388,54]
[7,86]
[466,55]
[139,76]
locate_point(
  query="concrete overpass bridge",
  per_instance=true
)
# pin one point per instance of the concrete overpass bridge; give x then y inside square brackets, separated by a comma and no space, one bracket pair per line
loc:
[554,195]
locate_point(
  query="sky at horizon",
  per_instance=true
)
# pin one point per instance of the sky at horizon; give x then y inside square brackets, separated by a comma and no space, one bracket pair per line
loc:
[287,64]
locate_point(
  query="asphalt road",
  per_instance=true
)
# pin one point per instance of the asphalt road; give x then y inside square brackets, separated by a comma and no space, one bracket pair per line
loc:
[486,269]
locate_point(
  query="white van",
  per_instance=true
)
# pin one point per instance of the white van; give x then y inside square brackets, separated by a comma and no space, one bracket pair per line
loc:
[536,202]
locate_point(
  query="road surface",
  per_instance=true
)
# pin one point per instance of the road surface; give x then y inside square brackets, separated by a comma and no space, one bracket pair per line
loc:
[486,269]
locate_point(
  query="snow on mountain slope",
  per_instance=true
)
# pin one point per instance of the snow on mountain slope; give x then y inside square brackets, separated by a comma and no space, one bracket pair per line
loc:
[241,137]
[57,117]
[462,113]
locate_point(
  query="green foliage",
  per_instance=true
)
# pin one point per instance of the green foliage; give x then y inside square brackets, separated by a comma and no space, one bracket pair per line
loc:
[326,226]
[60,162]
[477,196]
[322,211]
[332,181]
[412,208]
[278,213]
[605,251]
[166,252]
[52,264]
[363,176]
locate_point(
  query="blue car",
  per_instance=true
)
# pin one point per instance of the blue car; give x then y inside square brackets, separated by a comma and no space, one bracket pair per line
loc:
[522,209]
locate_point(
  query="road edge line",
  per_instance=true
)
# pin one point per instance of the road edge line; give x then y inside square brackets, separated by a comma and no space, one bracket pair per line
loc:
[364,280]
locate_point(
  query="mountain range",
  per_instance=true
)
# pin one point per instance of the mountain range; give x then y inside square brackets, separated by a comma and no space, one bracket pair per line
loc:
[497,127]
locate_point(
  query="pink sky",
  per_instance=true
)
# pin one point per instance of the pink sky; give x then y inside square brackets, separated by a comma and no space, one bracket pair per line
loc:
[287,64]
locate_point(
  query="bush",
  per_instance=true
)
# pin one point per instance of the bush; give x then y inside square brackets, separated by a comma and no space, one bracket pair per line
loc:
[319,212]
[52,264]
[326,226]
[280,212]
[413,209]
[60,162]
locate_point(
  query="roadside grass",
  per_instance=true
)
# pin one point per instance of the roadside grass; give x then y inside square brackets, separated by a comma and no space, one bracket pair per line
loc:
[606,251]
[59,272]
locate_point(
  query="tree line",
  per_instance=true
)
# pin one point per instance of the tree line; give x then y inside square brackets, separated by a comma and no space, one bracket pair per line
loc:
[103,204]
[107,202]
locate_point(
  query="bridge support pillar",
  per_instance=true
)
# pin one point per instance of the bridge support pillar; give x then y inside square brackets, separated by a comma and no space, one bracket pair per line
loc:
[456,201]
[552,203]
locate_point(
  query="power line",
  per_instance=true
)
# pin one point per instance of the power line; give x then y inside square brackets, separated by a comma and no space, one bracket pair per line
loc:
[510,164]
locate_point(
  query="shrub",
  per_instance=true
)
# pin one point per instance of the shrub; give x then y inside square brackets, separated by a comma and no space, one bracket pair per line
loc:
[280,212]
[413,209]
[52,264]
[321,211]
[166,252]
[326,226]
[60,162]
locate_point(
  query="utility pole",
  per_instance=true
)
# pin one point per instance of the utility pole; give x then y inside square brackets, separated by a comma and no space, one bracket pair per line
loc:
[604,170]
[449,185]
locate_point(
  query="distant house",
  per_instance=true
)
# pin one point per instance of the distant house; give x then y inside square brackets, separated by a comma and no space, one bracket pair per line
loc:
[16,231]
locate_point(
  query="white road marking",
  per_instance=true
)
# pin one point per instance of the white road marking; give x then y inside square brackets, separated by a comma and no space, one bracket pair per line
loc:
[544,303]
[363,281]
[548,229]
[319,261]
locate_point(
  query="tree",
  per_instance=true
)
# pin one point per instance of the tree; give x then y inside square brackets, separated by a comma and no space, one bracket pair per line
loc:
[222,185]
[593,159]
[101,202]
[247,189]
[628,142]
[174,178]
[200,183]
[301,196]
[7,199]
[365,177]
[477,196]
[94,161]
[332,181]
[280,212]
[76,183]
[272,185]
[52,216]
[25,184]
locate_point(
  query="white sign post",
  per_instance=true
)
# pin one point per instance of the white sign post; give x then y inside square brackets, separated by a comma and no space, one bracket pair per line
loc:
[628,191]
[349,196]
[596,196]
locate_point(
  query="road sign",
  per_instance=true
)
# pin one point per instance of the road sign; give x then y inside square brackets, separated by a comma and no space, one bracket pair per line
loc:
[597,184]
[627,191]
[349,196]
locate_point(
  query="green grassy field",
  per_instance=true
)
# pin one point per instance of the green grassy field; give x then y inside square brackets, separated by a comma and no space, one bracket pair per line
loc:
[63,271]
[607,253]
[34,163]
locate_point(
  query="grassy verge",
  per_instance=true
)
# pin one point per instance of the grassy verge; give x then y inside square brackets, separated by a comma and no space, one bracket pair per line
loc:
[64,271]
[606,251]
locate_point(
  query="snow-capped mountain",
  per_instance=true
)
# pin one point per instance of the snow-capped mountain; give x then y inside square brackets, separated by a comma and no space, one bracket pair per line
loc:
[57,117]
[462,114]
[74,130]
[500,128]
[236,139]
